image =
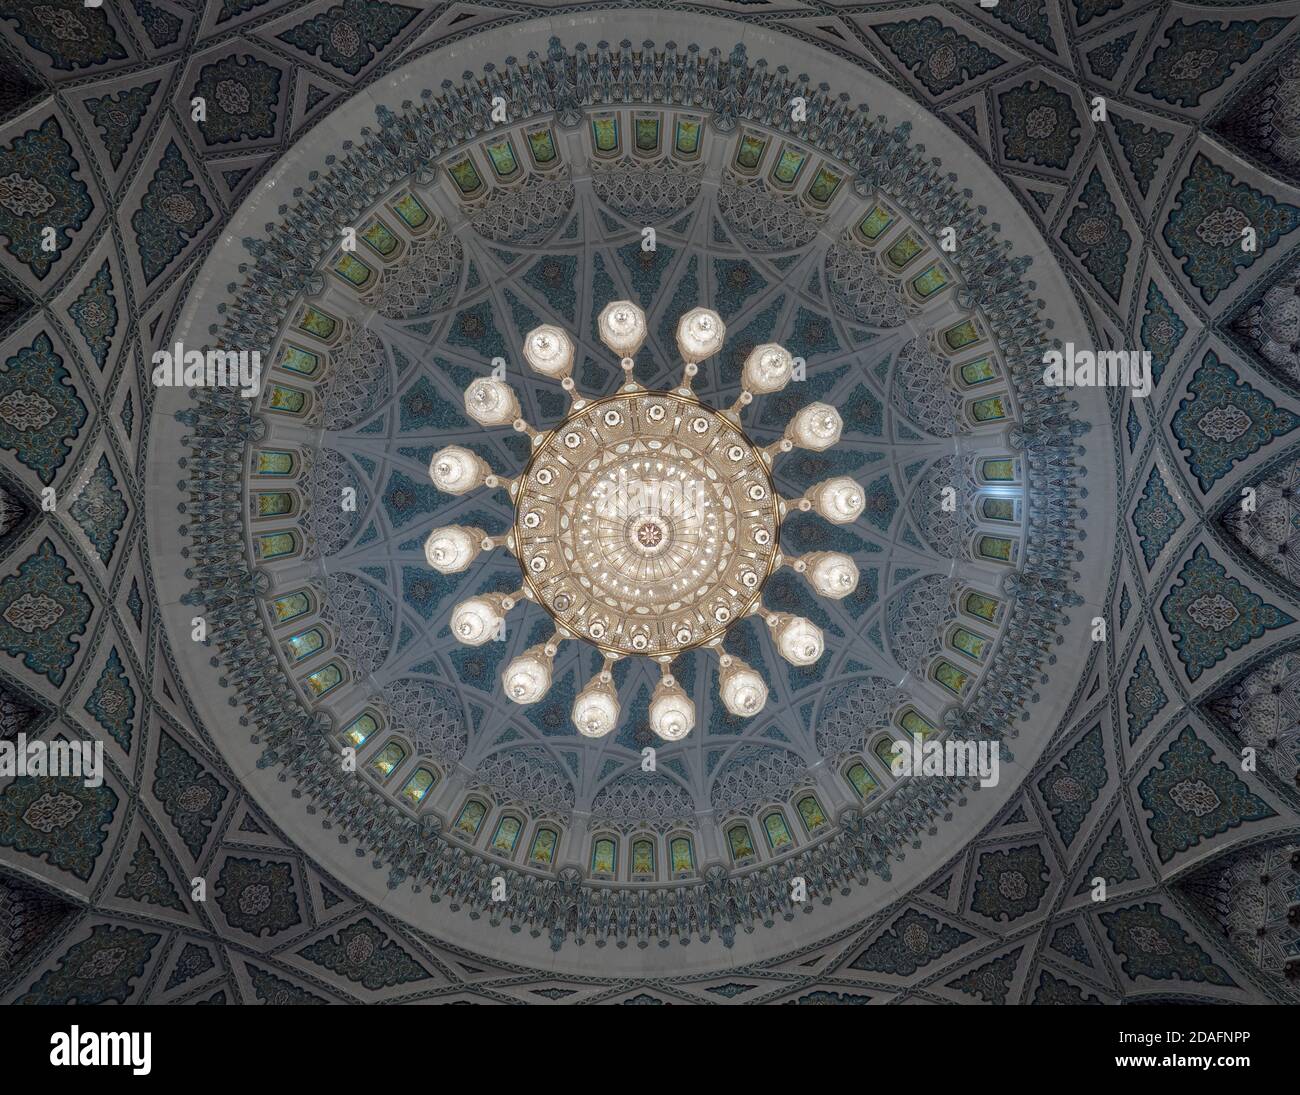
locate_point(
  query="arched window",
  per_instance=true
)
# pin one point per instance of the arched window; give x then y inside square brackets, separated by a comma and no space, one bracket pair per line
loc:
[992,408]
[681,855]
[274,462]
[824,186]
[740,843]
[605,136]
[381,239]
[914,722]
[643,859]
[470,818]
[883,749]
[948,675]
[295,359]
[418,786]
[466,177]
[318,323]
[278,503]
[323,680]
[507,835]
[646,130]
[982,606]
[275,545]
[789,163]
[360,729]
[1004,470]
[388,759]
[997,548]
[929,281]
[811,814]
[966,333]
[281,399]
[970,643]
[904,250]
[998,508]
[545,844]
[412,212]
[862,781]
[290,606]
[875,224]
[604,856]
[980,371]
[541,147]
[352,270]
[777,831]
[306,643]
[686,139]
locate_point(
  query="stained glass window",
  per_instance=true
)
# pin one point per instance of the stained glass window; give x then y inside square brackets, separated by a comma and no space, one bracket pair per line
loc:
[503,159]
[419,785]
[465,176]
[950,677]
[604,133]
[687,139]
[284,400]
[810,811]
[998,471]
[994,547]
[272,503]
[323,680]
[273,462]
[861,780]
[507,835]
[545,841]
[379,238]
[604,853]
[778,833]
[884,751]
[352,270]
[647,134]
[318,323]
[541,143]
[915,723]
[749,152]
[643,857]
[824,185]
[979,371]
[412,212]
[295,359]
[968,642]
[788,166]
[962,334]
[875,224]
[305,643]
[999,509]
[991,409]
[929,281]
[289,607]
[682,854]
[985,607]
[358,731]
[740,843]
[470,817]
[389,759]
[275,545]
[904,249]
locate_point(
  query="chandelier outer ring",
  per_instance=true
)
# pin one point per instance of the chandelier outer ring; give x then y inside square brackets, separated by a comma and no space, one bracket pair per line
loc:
[773,560]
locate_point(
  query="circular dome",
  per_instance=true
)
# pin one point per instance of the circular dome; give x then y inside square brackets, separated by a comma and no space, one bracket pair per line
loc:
[825,242]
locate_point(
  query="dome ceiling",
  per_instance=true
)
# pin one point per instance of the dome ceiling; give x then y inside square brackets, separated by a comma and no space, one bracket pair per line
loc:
[1002,518]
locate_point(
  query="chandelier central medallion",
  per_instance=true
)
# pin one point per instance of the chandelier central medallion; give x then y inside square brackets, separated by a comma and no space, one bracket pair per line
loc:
[646,523]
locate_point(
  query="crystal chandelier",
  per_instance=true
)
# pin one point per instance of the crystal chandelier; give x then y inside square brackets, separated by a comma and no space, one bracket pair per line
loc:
[646,523]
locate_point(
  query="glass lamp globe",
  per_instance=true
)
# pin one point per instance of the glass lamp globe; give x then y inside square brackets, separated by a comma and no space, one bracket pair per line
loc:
[800,641]
[672,714]
[456,470]
[549,350]
[817,427]
[451,550]
[743,691]
[699,334]
[595,711]
[768,368]
[491,402]
[476,621]
[527,677]
[840,500]
[622,327]
[833,574]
